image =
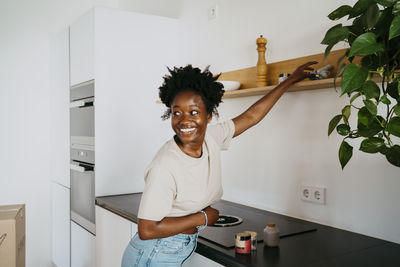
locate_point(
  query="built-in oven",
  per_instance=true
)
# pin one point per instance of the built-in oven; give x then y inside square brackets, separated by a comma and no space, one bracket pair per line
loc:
[82,175]
[82,114]
[82,164]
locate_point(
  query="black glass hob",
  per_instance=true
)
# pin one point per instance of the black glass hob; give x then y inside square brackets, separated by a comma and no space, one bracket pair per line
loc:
[238,218]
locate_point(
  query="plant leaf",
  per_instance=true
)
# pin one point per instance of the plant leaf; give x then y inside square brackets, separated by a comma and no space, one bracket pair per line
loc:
[340,70]
[370,61]
[372,144]
[393,90]
[385,100]
[398,88]
[353,78]
[393,126]
[365,44]
[354,97]
[371,129]
[357,28]
[335,34]
[360,7]
[372,16]
[371,106]
[340,59]
[328,50]
[394,27]
[386,2]
[383,24]
[338,73]
[393,155]
[332,124]
[396,110]
[346,111]
[340,12]
[343,129]
[371,90]
[396,8]
[364,117]
[345,153]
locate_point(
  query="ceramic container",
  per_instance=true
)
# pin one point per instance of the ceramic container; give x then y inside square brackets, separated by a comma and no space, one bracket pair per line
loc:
[271,235]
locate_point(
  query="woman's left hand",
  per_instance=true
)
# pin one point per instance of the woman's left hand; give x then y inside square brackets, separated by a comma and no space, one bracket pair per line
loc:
[301,72]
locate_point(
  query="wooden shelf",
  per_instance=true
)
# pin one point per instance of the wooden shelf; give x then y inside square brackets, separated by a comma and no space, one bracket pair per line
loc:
[300,86]
[247,76]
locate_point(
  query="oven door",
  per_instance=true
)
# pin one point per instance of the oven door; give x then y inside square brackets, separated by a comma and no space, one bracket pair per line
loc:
[82,121]
[82,114]
[83,195]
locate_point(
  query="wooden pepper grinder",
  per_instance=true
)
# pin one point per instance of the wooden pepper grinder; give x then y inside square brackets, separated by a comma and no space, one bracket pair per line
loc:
[261,79]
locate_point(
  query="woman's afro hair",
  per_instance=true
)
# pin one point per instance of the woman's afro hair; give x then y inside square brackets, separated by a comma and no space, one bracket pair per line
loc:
[192,79]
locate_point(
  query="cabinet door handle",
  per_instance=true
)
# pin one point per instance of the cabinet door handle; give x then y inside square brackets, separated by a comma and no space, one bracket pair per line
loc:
[80,103]
[77,168]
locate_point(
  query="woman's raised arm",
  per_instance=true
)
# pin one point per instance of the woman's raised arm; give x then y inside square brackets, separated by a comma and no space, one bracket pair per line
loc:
[258,110]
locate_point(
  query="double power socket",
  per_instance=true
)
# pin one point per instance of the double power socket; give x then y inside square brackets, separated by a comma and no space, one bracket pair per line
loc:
[314,194]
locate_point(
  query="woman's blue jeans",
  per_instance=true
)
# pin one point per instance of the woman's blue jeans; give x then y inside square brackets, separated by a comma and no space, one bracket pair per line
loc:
[168,251]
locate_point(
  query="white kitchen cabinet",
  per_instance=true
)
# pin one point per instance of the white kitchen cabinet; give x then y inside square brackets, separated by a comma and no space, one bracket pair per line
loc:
[82,49]
[59,147]
[112,236]
[59,108]
[82,247]
[131,52]
[197,260]
[61,225]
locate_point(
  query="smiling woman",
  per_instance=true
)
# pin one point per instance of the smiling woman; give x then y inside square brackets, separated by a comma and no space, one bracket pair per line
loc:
[184,178]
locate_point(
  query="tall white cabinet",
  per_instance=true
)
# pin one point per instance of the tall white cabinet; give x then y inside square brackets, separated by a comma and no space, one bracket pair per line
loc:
[126,54]
[59,139]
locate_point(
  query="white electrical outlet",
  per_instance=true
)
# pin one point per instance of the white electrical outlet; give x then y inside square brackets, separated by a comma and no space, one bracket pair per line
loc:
[212,12]
[314,194]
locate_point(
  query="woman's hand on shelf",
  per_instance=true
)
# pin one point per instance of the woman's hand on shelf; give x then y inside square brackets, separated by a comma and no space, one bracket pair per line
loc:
[301,72]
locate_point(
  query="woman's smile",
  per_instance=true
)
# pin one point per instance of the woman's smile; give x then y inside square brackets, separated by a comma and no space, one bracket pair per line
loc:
[187,130]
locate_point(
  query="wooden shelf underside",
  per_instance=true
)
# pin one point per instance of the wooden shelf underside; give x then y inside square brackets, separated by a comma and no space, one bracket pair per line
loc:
[300,86]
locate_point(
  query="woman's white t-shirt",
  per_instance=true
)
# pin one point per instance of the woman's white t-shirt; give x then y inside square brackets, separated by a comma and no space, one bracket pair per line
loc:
[177,184]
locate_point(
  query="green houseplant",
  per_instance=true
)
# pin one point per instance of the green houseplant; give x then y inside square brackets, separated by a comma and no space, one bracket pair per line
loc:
[373,36]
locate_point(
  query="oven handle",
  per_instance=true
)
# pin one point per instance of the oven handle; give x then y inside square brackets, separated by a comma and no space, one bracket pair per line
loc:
[78,168]
[80,103]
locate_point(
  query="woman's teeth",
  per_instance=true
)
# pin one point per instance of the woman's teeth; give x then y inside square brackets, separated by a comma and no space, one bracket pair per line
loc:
[187,130]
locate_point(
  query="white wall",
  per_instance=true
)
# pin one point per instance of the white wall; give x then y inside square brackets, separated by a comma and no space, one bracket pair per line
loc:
[360,198]
[266,165]
[170,8]
[25,30]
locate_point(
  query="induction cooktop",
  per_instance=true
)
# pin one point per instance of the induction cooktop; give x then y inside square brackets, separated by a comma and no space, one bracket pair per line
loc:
[225,220]
[249,219]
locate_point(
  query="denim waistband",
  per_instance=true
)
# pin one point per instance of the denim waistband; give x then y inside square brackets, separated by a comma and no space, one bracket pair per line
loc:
[181,237]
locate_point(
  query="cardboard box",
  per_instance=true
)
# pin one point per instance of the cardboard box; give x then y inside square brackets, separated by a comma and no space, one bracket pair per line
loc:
[12,236]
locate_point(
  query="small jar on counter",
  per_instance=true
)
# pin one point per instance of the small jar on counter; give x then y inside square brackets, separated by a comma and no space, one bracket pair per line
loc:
[243,243]
[271,235]
[253,239]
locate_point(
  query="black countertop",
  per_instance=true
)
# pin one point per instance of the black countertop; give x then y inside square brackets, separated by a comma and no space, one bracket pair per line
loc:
[324,247]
